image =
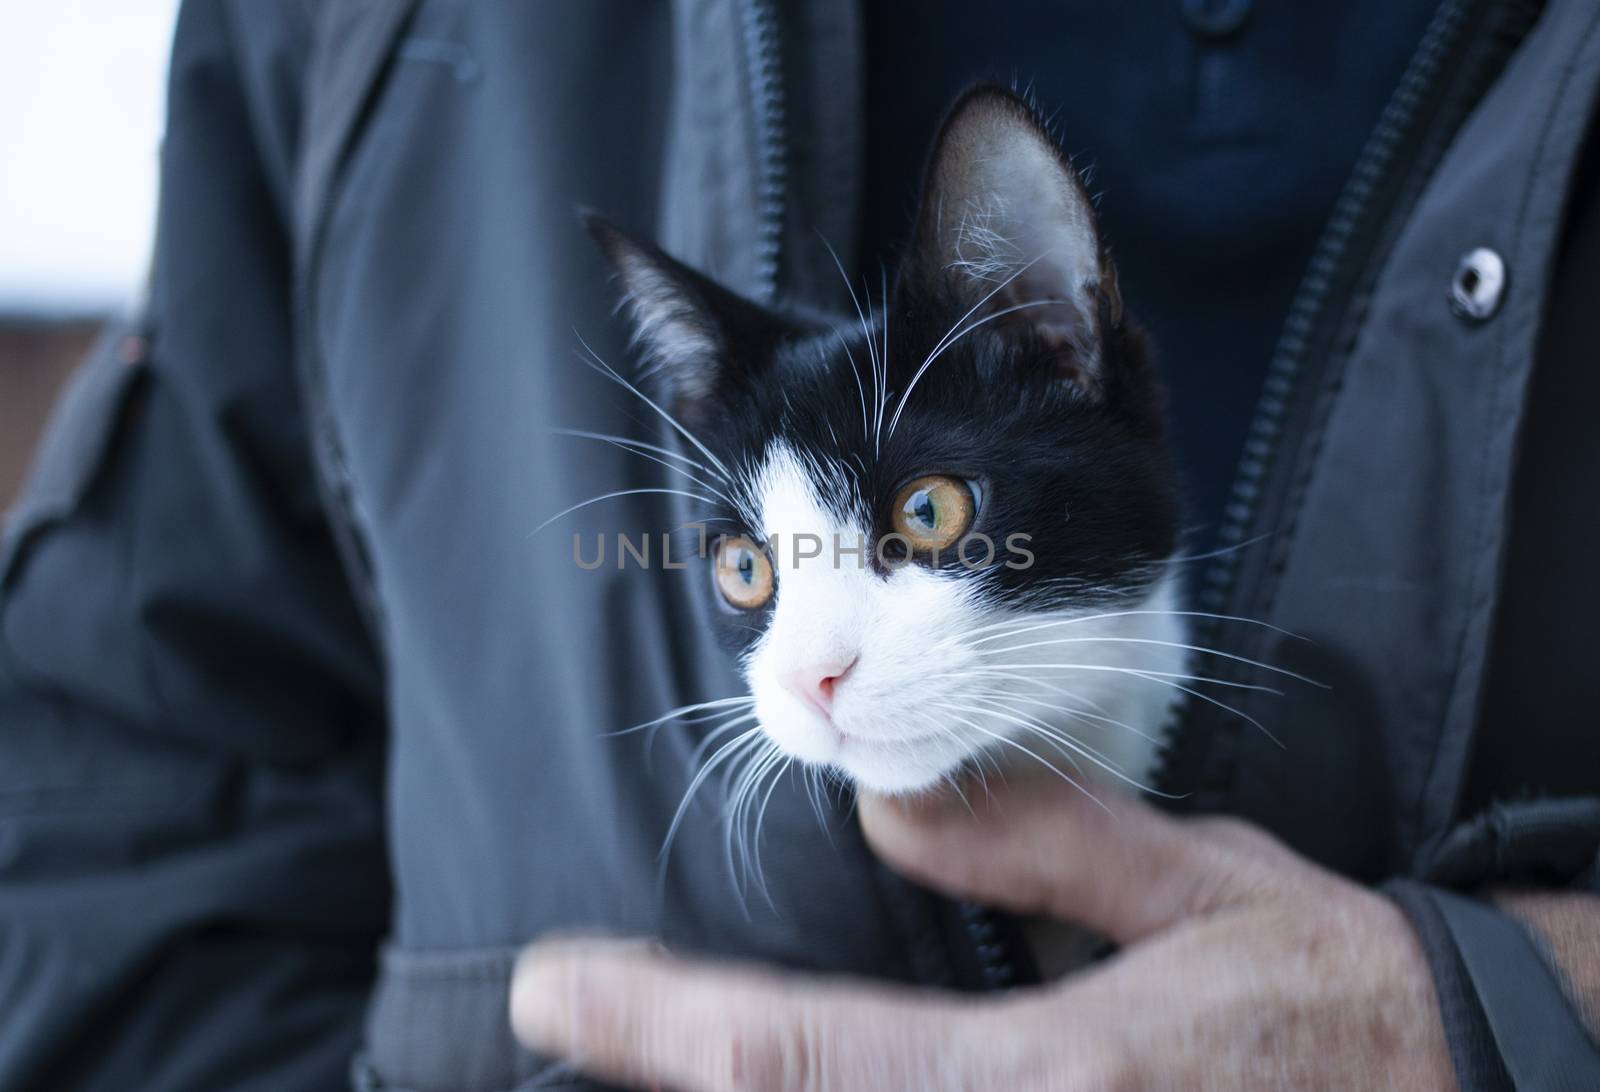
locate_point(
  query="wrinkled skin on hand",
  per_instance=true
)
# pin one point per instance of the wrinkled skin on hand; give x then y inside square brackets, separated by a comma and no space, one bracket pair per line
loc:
[1242,967]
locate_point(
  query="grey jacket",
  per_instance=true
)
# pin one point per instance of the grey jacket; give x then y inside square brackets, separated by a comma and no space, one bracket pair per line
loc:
[303,729]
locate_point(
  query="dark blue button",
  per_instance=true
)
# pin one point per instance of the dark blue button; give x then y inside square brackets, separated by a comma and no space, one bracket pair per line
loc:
[1215,18]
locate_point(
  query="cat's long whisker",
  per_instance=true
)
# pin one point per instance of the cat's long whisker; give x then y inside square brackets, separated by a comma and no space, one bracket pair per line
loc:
[984,321]
[983,669]
[738,788]
[983,774]
[814,790]
[997,705]
[620,493]
[964,638]
[1221,551]
[1153,641]
[630,442]
[712,736]
[1224,706]
[1164,678]
[861,390]
[740,798]
[1168,678]
[1046,763]
[953,783]
[1009,671]
[736,844]
[779,768]
[734,780]
[1071,746]
[977,761]
[675,468]
[1097,759]
[951,334]
[747,743]
[607,370]
[680,711]
[883,359]
[733,771]
[866,330]
[1095,754]
[879,376]
[984,709]
[724,720]
[1010,703]
[883,294]
[1065,693]
[1030,624]
[721,755]
[1076,713]
[1071,749]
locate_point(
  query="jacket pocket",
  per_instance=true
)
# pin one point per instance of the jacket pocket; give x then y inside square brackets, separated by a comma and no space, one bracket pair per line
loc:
[77,443]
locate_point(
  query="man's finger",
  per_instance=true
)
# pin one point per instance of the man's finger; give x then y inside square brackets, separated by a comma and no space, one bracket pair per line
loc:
[1113,864]
[625,1014]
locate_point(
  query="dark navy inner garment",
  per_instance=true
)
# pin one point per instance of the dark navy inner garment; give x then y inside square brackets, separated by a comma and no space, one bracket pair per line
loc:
[1217,136]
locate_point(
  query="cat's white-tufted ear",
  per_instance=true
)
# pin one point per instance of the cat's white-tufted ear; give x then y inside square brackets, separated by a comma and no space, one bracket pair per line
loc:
[696,335]
[1005,219]
[673,319]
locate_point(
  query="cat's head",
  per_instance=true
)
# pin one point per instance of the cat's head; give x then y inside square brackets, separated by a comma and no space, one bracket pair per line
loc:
[899,499]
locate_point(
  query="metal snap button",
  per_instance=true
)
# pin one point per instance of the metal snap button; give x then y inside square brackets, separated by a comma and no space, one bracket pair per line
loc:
[1215,18]
[1479,285]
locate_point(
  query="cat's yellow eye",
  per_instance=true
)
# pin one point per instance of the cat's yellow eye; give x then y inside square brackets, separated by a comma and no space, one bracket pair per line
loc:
[934,512]
[743,572]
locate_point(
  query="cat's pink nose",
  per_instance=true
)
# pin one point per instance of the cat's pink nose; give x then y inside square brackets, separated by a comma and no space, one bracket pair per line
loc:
[814,683]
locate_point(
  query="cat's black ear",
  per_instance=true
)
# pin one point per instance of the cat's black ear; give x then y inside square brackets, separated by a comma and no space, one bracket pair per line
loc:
[1005,225]
[691,329]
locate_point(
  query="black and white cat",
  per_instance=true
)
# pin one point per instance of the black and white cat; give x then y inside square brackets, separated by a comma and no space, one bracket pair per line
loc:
[942,536]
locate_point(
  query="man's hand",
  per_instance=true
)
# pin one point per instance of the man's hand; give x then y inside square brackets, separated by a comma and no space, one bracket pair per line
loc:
[1243,967]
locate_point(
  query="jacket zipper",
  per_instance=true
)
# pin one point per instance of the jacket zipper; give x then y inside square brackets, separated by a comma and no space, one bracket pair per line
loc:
[1287,369]
[1466,44]
[764,65]
[983,929]
[334,479]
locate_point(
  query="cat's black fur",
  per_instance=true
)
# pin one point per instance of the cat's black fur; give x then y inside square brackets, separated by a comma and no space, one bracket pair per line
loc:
[1072,456]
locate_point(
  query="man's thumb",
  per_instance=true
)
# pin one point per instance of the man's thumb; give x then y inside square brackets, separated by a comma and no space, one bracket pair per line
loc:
[1113,864]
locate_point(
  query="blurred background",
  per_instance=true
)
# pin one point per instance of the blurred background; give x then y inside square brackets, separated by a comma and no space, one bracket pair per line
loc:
[82,91]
